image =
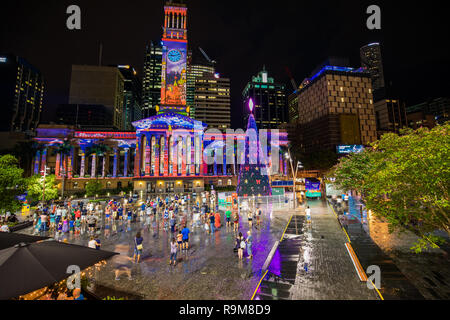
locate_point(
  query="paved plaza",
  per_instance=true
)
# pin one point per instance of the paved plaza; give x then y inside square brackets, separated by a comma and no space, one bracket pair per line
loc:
[210,269]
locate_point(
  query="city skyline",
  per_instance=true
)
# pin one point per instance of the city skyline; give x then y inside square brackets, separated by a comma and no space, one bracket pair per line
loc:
[265,35]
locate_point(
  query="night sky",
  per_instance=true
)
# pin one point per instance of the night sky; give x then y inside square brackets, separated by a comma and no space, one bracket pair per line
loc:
[240,35]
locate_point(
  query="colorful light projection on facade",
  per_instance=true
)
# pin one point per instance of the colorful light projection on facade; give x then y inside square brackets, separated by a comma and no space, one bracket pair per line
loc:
[174,57]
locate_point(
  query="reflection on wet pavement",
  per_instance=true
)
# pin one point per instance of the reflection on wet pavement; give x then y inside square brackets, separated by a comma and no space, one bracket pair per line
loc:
[208,270]
[428,272]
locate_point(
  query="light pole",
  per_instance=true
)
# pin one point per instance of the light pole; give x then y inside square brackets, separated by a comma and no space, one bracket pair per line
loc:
[288,156]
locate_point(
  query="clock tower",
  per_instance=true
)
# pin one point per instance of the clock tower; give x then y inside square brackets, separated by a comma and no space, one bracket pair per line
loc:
[174,57]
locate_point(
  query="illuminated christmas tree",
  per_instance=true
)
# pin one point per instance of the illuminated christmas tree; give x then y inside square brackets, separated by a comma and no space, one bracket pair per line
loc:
[253,177]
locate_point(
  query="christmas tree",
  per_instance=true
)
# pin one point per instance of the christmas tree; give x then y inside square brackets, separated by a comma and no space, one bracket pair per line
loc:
[253,178]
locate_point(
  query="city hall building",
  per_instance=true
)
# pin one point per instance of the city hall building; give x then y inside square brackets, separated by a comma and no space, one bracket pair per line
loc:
[165,153]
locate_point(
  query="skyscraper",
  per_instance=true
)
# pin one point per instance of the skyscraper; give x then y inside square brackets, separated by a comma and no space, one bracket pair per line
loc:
[22,92]
[196,70]
[269,99]
[99,85]
[212,103]
[151,78]
[372,61]
[132,96]
[390,116]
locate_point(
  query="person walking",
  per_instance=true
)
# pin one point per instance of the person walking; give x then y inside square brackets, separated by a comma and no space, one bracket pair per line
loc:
[250,218]
[173,252]
[235,221]
[138,247]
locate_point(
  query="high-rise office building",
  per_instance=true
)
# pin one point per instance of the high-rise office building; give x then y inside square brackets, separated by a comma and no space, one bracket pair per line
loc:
[151,79]
[132,95]
[372,61]
[99,85]
[212,104]
[196,70]
[22,92]
[269,100]
[390,116]
[335,107]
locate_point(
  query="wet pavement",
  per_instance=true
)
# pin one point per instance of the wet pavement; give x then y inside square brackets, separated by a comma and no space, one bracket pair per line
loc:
[210,269]
[325,270]
[405,274]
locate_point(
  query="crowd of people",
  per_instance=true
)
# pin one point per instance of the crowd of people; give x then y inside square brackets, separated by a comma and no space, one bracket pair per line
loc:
[73,218]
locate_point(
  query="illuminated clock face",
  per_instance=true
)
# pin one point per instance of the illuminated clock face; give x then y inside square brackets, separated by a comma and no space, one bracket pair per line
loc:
[174,55]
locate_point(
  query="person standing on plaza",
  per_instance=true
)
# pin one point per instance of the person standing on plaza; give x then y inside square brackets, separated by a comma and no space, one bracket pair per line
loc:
[249,242]
[236,221]
[308,215]
[258,217]
[185,232]
[228,217]
[91,222]
[173,252]
[211,222]
[138,247]
[217,223]
[241,245]
[250,218]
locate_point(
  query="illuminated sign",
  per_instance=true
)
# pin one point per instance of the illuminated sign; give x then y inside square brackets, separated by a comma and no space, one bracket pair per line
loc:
[346,149]
[3,59]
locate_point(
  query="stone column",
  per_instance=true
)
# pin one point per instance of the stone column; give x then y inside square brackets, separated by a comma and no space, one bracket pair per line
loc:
[166,155]
[82,165]
[125,163]
[157,148]
[183,155]
[37,160]
[115,163]
[58,164]
[137,157]
[103,165]
[70,163]
[93,166]
[147,154]
[175,157]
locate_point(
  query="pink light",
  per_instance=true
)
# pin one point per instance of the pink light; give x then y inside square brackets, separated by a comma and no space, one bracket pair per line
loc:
[250,104]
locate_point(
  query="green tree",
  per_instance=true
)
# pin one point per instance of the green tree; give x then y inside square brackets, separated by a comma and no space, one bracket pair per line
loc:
[405,180]
[93,188]
[35,187]
[12,184]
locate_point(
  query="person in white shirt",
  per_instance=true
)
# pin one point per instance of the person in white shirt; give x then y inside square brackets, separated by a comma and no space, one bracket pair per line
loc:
[92,243]
[308,214]
[4,228]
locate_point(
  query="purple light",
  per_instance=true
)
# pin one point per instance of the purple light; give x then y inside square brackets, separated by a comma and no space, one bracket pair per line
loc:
[250,104]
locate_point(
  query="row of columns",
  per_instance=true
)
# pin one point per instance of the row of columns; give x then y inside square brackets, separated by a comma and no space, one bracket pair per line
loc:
[175,19]
[65,163]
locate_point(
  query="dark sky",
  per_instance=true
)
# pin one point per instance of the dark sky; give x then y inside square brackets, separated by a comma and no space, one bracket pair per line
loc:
[240,35]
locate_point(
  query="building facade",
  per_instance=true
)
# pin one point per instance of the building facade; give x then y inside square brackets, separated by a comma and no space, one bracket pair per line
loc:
[270,101]
[22,92]
[85,116]
[371,60]
[195,71]
[212,104]
[335,107]
[132,96]
[390,116]
[99,85]
[151,78]
[429,113]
